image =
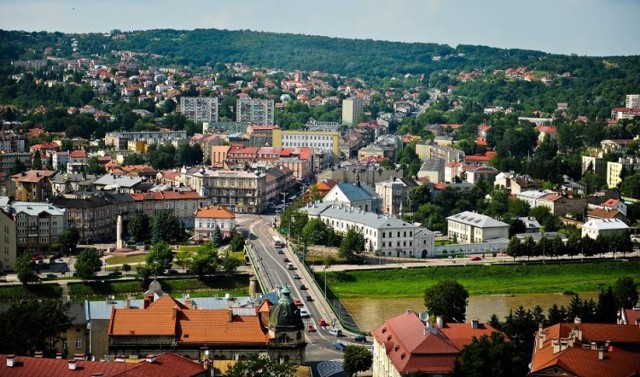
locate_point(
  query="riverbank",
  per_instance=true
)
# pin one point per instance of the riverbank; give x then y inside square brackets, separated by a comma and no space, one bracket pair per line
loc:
[481,279]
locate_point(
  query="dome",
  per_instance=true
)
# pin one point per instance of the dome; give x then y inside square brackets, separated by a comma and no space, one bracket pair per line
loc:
[286,314]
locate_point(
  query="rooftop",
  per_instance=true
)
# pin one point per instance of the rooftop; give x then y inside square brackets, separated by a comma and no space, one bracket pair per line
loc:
[477,220]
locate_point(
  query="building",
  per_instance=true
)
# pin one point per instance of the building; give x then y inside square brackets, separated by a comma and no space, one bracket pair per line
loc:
[384,235]
[410,344]
[603,227]
[38,225]
[323,141]
[163,365]
[532,197]
[200,109]
[117,182]
[224,334]
[479,172]
[516,183]
[255,111]
[8,161]
[210,217]
[629,316]
[427,151]
[33,185]
[239,191]
[351,110]
[120,140]
[628,165]
[586,350]
[393,194]
[632,101]
[354,195]
[369,174]
[8,241]
[561,205]
[10,141]
[470,227]
[181,203]
[433,170]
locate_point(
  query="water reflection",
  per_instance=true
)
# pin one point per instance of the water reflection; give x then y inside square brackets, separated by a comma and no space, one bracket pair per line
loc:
[371,313]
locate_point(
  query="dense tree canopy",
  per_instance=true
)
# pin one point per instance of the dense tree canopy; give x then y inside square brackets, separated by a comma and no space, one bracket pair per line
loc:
[447,299]
[88,264]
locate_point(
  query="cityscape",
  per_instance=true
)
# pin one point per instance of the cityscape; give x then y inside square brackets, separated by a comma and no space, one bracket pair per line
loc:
[219,201]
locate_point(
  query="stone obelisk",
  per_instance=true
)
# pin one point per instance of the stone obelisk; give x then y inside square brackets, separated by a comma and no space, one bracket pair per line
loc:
[119,233]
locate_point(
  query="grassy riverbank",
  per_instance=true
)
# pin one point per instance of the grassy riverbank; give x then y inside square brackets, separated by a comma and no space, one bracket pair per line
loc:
[481,280]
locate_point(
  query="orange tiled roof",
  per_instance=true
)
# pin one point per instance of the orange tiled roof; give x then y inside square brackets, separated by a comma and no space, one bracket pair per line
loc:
[219,326]
[215,212]
[78,153]
[32,176]
[611,203]
[326,185]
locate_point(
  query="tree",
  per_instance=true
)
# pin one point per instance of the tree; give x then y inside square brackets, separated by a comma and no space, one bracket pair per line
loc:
[37,161]
[216,240]
[258,366]
[159,258]
[18,167]
[488,356]
[205,261]
[69,240]
[447,299]
[356,359]
[183,259]
[352,244]
[514,248]
[237,242]
[94,167]
[607,306]
[519,208]
[625,292]
[630,186]
[315,232]
[25,267]
[166,227]
[88,264]
[230,263]
[29,323]
[138,227]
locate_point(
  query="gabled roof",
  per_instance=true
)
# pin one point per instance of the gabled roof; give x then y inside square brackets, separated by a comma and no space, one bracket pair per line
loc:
[215,212]
[355,192]
[33,176]
[606,224]
[602,213]
[477,220]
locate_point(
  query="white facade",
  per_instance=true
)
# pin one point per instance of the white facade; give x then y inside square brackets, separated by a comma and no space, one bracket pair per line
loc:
[384,235]
[533,196]
[353,195]
[469,227]
[200,109]
[38,225]
[596,227]
[255,111]
[351,110]
[391,194]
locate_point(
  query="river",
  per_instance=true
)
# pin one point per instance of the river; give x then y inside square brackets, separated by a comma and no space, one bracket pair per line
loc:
[370,313]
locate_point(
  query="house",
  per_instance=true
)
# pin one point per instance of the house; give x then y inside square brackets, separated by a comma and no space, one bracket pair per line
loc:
[561,205]
[394,194]
[119,183]
[38,225]
[181,202]
[586,350]
[354,195]
[531,224]
[208,218]
[322,188]
[532,197]
[629,316]
[479,172]
[33,185]
[604,213]
[604,227]
[617,205]
[384,235]
[470,227]
[163,365]
[544,131]
[410,344]
[433,169]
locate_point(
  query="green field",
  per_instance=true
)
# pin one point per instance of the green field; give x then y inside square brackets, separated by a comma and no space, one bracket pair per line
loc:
[507,279]
[127,260]
[237,285]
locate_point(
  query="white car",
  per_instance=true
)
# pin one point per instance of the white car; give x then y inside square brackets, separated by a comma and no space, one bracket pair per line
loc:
[304,313]
[335,332]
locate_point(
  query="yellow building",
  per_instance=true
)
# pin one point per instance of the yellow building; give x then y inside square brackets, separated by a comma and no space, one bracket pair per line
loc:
[8,241]
[137,146]
[614,169]
[326,141]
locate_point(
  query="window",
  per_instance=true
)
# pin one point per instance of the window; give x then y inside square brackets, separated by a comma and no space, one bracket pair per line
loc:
[78,343]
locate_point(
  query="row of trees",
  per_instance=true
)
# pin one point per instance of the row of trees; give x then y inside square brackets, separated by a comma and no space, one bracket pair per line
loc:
[163,226]
[616,242]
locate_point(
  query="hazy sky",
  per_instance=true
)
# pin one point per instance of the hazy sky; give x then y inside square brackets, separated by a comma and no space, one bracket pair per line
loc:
[584,27]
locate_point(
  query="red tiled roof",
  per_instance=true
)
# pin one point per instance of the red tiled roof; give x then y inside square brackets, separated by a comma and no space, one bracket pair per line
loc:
[547,129]
[32,176]
[602,213]
[215,212]
[632,316]
[611,203]
[219,326]
[78,153]
[552,196]
[326,185]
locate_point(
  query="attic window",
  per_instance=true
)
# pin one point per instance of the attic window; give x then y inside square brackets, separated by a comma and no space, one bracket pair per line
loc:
[186,336]
[384,330]
[397,347]
[403,355]
[389,337]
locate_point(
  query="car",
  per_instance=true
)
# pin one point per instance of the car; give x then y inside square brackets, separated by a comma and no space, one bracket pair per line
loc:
[360,338]
[311,328]
[280,251]
[303,287]
[335,332]
[297,302]
[322,322]
[475,259]
[286,260]
[296,276]
[339,346]
[304,313]
[309,298]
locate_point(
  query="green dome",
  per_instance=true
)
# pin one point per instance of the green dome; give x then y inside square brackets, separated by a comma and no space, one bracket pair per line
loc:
[286,315]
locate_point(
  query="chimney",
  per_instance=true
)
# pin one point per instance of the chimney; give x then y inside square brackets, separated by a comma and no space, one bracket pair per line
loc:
[73,364]
[151,358]
[577,320]
[556,345]
[38,354]
[601,354]
[439,322]
[11,359]
[147,301]
[475,323]
[408,311]
[120,358]
[78,356]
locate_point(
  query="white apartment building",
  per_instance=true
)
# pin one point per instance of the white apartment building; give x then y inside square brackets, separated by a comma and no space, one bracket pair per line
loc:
[393,194]
[354,195]
[614,169]
[255,111]
[532,196]
[384,235]
[351,110]
[38,225]
[320,141]
[596,227]
[469,227]
[200,109]
[8,252]
[208,218]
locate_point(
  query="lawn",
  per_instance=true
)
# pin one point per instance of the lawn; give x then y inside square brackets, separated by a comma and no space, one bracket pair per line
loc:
[18,292]
[508,279]
[126,260]
[237,285]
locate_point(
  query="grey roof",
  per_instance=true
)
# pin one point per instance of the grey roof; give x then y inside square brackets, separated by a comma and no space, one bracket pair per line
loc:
[346,213]
[117,180]
[4,201]
[477,220]
[73,177]
[35,208]
[356,192]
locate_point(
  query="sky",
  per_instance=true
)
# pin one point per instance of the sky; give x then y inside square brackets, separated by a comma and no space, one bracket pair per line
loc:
[583,27]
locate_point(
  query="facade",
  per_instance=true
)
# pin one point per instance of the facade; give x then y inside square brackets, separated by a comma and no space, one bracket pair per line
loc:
[119,140]
[561,205]
[586,350]
[603,227]
[532,197]
[255,111]
[180,203]
[239,191]
[38,225]
[8,241]
[410,344]
[432,169]
[426,151]
[8,161]
[200,109]
[354,195]
[369,174]
[351,110]
[386,236]
[210,217]
[615,170]
[10,141]
[469,227]
[33,185]
[318,140]
[632,101]
[393,194]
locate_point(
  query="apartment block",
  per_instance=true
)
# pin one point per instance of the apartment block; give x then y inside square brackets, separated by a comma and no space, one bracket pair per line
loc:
[38,225]
[615,169]
[200,109]
[255,111]
[322,141]
[351,110]
[8,241]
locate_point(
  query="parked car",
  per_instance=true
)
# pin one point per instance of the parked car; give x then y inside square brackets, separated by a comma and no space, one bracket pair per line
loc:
[311,328]
[475,259]
[309,298]
[360,338]
[280,251]
[322,322]
[303,287]
[335,332]
[339,346]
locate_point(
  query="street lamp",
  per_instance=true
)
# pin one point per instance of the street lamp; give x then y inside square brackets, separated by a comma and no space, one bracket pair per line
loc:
[325,282]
